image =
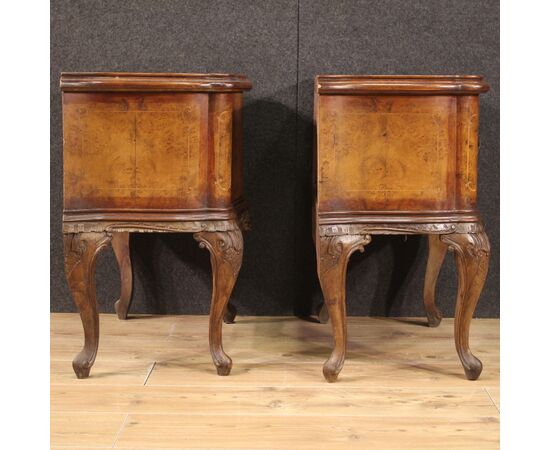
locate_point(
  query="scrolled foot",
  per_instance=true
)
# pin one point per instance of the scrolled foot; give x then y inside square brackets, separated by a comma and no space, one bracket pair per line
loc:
[230,313]
[82,366]
[472,367]
[121,311]
[223,365]
[332,368]
[434,318]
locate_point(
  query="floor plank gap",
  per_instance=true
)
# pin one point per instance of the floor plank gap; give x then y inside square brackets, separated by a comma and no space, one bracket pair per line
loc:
[149,373]
[492,399]
[120,430]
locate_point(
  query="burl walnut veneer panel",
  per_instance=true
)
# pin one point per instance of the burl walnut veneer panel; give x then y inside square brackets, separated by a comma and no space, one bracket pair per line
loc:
[377,143]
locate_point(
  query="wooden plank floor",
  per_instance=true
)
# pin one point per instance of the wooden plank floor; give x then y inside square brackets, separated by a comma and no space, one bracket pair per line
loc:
[153,386]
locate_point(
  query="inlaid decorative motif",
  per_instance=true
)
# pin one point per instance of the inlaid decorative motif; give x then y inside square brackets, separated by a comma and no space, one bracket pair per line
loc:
[132,151]
[222,149]
[383,152]
[167,159]
[376,152]
[334,248]
[471,149]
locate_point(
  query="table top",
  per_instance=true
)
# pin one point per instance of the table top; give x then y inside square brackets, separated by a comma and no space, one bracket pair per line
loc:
[401,84]
[135,81]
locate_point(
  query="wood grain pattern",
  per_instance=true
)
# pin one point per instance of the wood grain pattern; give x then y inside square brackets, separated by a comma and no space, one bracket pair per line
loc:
[398,155]
[385,153]
[132,150]
[408,394]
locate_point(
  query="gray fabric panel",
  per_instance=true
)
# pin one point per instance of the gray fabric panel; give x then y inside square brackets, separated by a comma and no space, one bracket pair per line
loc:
[172,275]
[261,40]
[404,37]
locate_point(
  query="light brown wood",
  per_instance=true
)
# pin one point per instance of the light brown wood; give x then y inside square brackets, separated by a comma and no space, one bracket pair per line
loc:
[153,387]
[75,430]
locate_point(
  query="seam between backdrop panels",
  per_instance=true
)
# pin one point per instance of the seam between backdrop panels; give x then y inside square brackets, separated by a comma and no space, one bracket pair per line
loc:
[297,173]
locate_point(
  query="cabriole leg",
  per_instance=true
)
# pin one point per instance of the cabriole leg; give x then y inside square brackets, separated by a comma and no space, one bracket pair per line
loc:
[230,313]
[322,313]
[472,260]
[226,252]
[81,250]
[436,256]
[121,248]
[333,253]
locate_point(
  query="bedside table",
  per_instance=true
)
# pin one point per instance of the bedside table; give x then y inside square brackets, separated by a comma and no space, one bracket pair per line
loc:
[398,155]
[152,152]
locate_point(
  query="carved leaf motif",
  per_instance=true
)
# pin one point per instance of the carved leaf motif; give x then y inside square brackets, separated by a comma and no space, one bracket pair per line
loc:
[152,227]
[331,254]
[231,249]
[334,248]
[74,254]
[226,245]
[477,244]
[405,228]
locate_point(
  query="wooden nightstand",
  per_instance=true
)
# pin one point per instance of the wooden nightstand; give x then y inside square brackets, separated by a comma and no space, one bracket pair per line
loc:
[398,155]
[151,153]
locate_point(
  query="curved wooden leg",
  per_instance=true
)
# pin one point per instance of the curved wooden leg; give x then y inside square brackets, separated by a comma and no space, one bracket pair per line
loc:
[322,313]
[333,253]
[226,253]
[81,250]
[436,255]
[472,259]
[121,247]
[230,313]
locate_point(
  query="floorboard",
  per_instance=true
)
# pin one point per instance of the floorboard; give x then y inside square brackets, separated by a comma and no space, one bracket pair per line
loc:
[153,386]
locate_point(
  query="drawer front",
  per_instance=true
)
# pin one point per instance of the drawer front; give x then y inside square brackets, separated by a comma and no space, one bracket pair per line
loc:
[134,151]
[386,153]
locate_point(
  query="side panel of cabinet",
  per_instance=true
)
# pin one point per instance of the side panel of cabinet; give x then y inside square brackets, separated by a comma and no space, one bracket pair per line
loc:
[237,174]
[134,151]
[225,153]
[386,153]
[467,141]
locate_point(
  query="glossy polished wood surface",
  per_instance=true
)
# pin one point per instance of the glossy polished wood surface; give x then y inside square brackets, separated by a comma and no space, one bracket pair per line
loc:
[398,154]
[151,153]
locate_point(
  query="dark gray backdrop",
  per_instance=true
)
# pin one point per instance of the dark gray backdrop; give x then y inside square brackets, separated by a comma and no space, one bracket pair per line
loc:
[280,46]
